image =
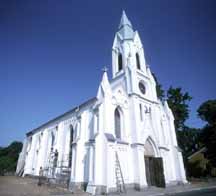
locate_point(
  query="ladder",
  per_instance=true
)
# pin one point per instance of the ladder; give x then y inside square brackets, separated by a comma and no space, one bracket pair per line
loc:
[119,177]
[49,166]
[21,170]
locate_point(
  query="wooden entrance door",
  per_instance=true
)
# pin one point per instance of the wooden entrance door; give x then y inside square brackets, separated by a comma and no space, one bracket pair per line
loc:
[154,171]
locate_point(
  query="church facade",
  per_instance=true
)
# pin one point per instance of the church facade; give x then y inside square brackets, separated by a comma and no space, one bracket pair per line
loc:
[124,137]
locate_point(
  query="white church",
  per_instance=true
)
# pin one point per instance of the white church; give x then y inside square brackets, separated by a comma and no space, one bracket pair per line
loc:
[123,138]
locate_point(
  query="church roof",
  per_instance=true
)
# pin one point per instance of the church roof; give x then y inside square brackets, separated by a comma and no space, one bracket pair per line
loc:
[86,103]
[202,150]
[125,27]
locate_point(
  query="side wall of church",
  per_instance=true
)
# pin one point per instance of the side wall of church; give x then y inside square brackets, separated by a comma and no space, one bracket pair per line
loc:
[42,145]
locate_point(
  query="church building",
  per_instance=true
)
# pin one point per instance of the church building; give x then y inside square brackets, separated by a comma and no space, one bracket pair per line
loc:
[122,138]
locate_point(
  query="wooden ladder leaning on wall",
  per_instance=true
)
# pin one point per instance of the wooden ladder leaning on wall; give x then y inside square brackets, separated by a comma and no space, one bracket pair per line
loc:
[119,177]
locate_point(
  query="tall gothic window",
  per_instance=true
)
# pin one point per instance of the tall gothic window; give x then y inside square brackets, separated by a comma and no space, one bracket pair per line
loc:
[117,123]
[71,134]
[52,139]
[76,130]
[39,142]
[29,144]
[137,61]
[71,141]
[120,62]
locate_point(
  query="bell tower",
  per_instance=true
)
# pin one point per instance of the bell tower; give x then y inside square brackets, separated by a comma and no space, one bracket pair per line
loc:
[128,59]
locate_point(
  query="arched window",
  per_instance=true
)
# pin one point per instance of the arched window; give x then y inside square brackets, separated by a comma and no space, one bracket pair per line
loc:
[120,62]
[70,147]
[76,131]
[29,144]
[137,61]
[118,123]
[39,142]
[52,139]
[71,134]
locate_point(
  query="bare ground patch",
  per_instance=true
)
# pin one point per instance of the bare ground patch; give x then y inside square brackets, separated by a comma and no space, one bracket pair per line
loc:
[18,186]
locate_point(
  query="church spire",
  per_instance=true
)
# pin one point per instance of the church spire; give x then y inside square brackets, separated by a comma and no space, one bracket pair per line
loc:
[124,21]
[125,27]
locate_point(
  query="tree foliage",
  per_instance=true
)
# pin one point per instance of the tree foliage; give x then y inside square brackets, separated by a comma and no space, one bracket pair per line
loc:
[178,102]
[9,157]
[207,112]
[159,89]
[209,140]
[189,140]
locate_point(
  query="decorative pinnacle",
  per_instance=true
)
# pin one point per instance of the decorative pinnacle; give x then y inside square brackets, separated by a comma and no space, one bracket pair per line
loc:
[105,69]
[124,20]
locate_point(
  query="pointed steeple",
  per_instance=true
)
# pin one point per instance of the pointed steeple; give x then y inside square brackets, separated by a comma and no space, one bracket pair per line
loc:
[125,27]
[124,21]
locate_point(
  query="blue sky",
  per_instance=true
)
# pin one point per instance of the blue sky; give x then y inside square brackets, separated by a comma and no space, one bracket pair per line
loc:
[52,53]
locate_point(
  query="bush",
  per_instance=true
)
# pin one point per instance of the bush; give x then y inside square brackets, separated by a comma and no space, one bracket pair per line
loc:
[194,169]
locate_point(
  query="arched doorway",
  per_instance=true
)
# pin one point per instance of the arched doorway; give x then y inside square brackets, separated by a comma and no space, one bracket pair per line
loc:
[149,148]
[153,165]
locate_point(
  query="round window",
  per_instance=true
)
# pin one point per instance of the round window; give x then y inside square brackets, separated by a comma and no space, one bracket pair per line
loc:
[142,87]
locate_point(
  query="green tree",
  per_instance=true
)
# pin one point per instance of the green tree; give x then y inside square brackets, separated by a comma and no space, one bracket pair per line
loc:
[178,102]
[207,112]
[189,140]
[9,157]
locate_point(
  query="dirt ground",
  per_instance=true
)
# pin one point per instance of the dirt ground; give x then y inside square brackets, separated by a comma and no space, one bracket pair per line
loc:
[17,186]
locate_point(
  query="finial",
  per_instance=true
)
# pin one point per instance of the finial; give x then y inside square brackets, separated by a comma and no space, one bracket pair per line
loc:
[105,69]
[124,20]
